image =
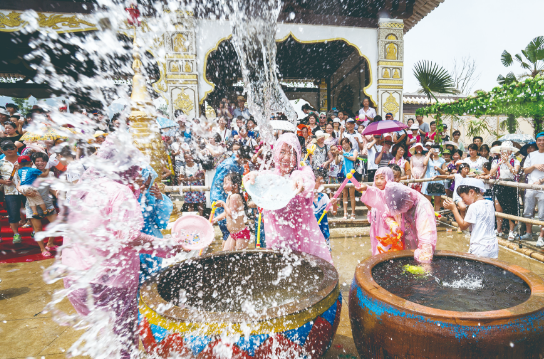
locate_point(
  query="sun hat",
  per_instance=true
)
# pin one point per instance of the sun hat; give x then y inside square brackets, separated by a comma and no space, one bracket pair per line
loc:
[99,133]
[451,143]
[446,152]
[414,127]
[412,149]
[337,120]
[429,143]
[320,134]
[505,146]
[524,149]
[459,162]
[240,98]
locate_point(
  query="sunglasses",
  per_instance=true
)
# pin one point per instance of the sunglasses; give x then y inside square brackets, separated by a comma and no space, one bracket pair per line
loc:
[8,148]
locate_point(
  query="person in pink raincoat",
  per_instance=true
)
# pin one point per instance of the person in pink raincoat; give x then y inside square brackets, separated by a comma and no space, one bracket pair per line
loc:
[295,225]
[102,239]
[415,215]
[375,197]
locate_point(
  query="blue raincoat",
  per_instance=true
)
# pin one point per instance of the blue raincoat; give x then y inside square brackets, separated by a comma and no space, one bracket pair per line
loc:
[217,193]
[156,215]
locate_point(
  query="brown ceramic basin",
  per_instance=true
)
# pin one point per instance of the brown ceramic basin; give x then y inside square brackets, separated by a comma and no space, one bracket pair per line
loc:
[387,326]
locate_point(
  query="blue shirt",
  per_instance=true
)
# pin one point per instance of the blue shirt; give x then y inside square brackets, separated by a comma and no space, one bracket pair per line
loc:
[348,164]
[217,193]
[28,175]
[319,207]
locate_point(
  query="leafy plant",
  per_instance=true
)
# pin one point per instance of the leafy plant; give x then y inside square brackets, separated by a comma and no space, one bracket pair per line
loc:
[531,59]
[478,127]
[434,78]
[23,104]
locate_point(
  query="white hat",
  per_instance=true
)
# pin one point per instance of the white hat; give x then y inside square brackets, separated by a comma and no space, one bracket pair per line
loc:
[320,134]
[414,127]
[413,148]
[505,146]
[459,162]
[473,182]
[99,133]
[337,120]
[451,143]
[385,135]
[429,143]
[4,112]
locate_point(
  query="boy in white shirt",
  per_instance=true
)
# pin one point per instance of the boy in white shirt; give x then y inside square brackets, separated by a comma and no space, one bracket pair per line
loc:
[480,218]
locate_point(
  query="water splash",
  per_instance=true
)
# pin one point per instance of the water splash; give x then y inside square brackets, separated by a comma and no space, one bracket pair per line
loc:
[254,28]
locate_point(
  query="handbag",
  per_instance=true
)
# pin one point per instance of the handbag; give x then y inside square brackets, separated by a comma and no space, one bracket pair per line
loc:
[436,188]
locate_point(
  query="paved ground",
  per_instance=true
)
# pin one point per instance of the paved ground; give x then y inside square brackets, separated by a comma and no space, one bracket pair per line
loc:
[26,331]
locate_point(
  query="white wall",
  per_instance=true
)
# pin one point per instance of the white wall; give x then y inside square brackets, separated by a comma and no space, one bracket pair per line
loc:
[210,32]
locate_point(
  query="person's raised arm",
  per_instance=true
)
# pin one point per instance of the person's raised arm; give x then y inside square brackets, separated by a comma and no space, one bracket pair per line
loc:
[354,157]
[426,159]
[444,177]
[371,143]
[448,204]
[407,171]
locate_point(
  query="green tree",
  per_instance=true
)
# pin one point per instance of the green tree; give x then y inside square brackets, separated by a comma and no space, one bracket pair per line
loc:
[433,78]
[531,60]
[23,104]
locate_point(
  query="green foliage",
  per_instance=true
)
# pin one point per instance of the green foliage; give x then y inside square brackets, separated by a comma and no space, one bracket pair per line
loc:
[24,106]
[520,99]
[433,78]
[531,59]
[478,127]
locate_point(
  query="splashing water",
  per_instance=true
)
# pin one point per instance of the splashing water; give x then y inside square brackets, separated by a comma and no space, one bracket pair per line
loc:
[254,27]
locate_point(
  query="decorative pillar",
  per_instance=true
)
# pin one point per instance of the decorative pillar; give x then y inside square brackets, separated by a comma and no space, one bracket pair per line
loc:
[390,67]
[323,98]
[178,84]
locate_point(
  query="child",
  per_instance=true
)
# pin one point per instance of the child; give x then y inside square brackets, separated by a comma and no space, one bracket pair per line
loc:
[480,217]
[235,212]
[27,175]
[375,197]
[397,172]
[464,170]
[321,201]
[349,157]
[336,161]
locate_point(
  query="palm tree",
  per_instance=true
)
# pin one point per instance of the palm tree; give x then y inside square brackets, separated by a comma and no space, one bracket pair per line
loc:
[533,64]
[433,78]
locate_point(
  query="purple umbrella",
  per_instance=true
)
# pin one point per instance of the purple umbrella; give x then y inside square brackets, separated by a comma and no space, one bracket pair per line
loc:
[379,127]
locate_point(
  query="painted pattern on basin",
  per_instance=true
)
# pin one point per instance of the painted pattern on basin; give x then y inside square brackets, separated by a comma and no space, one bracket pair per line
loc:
[385,325]
[301,333]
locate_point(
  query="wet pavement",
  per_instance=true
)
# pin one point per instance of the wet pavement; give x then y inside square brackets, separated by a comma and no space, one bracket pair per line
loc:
[27,331]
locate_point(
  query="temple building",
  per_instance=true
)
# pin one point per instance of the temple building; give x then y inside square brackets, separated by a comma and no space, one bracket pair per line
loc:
[332,54]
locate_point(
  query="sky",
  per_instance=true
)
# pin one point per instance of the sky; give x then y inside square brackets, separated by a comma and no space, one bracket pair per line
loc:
[480,29]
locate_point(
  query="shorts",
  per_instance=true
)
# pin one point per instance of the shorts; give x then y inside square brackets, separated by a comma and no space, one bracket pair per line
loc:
[13,207]
[28,211]
[243,234]
[224,230]
[35,200]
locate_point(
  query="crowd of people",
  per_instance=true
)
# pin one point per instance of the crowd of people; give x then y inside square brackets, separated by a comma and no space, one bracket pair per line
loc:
[218,153]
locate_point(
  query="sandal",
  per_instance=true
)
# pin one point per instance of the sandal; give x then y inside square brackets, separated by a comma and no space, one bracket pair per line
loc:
[345,217]
[352,217]
[27,225]
[46,254]
[51,247]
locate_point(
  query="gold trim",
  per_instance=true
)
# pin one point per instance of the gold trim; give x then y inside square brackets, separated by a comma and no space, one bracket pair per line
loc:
[186,77]
[201,101]
[299,41]
[180,56]
[393,82]
[392,25]
[390,87]
[390,63]
[47,20]
[276,325]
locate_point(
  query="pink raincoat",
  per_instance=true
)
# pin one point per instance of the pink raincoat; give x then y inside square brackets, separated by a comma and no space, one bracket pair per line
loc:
[415,214]
[375,198]
[295,226]
[100,251]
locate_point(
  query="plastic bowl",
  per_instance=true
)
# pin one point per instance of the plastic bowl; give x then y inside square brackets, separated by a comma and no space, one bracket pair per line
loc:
[187,226]
[271,191]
